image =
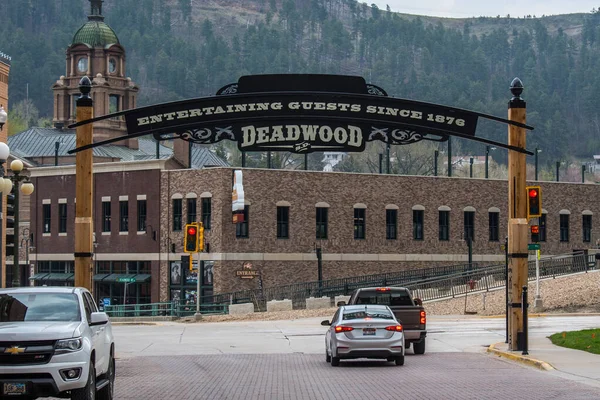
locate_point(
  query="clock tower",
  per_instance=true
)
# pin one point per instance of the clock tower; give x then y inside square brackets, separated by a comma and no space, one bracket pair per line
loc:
[95,51]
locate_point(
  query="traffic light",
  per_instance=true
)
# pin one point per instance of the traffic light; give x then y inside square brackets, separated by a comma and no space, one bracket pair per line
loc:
[535,233]
[10,224]
[534,202]
[193,241]
[186,261]
[190,241]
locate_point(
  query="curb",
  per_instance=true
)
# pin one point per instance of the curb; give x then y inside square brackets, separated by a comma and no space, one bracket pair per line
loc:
[134,323]
[542,315]
[532,362]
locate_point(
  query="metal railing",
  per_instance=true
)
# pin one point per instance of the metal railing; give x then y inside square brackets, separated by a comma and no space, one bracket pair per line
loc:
[426,284]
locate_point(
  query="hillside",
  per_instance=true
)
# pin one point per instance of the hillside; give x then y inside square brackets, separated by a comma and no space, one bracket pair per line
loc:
[189,48]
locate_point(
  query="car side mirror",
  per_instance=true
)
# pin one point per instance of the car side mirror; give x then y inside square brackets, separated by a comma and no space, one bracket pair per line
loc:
[341,303]
[325,323]
[98,318]
[418,301]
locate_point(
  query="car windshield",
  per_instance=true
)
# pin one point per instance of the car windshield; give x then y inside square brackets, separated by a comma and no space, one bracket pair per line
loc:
[387,298]
[362,314]
[17,307]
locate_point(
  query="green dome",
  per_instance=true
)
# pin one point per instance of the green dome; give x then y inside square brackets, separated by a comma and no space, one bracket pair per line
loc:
[95,34]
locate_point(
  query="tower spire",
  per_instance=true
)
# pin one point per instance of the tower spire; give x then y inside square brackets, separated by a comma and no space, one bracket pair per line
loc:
[96,13]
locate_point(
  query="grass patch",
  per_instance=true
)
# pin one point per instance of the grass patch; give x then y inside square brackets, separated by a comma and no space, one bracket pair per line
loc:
[586,340]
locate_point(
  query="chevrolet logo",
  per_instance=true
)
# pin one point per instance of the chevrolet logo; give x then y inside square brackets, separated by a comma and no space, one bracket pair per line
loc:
[14,350]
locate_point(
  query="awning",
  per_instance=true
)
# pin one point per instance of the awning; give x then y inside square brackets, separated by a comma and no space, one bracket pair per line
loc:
[99,277]
[38,277]
[58,277]
[143,277]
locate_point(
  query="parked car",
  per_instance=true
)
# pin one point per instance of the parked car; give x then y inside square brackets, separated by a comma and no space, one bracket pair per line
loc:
[54,342]
[365,331]
[408,311]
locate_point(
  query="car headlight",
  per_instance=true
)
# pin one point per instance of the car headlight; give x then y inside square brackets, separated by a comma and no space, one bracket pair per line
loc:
[68,345]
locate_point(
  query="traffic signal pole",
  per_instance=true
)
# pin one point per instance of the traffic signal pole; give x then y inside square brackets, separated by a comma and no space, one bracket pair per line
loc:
[517,217]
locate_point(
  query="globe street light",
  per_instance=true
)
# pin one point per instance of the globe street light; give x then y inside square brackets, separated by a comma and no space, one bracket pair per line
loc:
[18,176]
[3,118]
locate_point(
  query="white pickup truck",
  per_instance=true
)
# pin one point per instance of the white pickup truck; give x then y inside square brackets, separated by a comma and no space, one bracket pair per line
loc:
[54,342]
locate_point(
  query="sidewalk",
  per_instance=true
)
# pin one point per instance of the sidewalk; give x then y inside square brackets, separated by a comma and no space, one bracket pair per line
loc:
[571,364]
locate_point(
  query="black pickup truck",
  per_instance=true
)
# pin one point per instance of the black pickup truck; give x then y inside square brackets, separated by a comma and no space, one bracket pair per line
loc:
[408,311]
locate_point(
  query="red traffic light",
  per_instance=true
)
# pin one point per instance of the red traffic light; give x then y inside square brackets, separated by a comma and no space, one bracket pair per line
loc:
[191,230]
[533,192]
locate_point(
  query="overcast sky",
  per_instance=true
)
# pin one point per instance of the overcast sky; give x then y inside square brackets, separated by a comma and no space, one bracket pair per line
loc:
[476,8]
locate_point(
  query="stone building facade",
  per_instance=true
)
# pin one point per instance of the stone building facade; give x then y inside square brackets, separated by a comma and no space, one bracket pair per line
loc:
[174,197]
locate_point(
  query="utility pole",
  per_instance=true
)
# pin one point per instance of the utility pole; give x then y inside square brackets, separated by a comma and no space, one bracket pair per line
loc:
[84,179]
[517,216]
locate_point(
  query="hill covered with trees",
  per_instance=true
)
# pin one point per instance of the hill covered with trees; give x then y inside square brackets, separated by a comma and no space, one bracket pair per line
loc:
[190,48]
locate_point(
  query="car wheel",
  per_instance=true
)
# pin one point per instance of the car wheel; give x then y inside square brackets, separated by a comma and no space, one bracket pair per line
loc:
[89,391]
[419,347]
[399,360]
[335,361]
[107,392]
[327,356]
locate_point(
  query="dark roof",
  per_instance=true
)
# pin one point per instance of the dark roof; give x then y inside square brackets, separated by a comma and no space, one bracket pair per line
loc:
[40,142]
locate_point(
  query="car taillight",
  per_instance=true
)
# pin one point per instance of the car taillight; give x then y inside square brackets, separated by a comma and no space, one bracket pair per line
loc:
[423,317]
[383,289]
[339,329]
[394,328]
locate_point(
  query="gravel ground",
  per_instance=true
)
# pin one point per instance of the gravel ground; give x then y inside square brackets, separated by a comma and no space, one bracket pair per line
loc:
[575,293]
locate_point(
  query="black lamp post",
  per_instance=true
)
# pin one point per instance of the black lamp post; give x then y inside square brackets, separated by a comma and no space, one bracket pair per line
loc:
[487,164]
[4,153]
[557,170]
[471,167]
[435,163]
[536,162]
[21,182]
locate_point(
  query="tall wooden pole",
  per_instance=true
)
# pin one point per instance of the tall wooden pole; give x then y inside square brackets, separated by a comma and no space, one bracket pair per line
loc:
[83,190]
[517,215]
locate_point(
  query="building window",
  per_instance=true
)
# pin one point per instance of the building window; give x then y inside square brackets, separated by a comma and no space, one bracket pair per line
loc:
[283,222]
[177,214]
[123,216]
[106,216]
[587,228]
[113,103]
[444,225]
[543,228]
[469,220]
[47,218]
[564,227]
[206,212]
[418,224]
[322,222]
[494,226]
[191,210]
[241,228]
[141,213]
[391,224]
[62,218]
[359,223]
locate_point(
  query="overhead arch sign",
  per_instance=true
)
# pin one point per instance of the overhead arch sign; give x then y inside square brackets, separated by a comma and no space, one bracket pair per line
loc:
[301,114]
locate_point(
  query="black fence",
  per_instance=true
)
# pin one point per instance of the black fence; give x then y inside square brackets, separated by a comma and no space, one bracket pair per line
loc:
[427,284]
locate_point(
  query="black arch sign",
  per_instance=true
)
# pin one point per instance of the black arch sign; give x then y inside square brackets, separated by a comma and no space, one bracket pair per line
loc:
[301,114]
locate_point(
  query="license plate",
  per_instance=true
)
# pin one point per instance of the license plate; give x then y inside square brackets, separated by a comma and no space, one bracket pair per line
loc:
[369,331]
[14,388]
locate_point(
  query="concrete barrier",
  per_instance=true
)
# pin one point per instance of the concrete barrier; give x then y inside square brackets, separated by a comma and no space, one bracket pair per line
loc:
[240,309]
[279,305]
[337,299]
[313,303]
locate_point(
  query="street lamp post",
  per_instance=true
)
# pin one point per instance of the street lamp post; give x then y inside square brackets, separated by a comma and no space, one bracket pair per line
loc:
[26,187]
[487,156]
[435,162]
[4,153]
[557,170]
[536,162]
[471,167]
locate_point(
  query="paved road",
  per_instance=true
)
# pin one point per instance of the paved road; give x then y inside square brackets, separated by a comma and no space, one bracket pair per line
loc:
[285,360]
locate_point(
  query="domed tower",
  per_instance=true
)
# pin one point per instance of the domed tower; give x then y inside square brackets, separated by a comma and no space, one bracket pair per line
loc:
[95,51]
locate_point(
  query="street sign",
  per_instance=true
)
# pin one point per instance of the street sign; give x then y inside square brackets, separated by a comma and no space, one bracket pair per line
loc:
[533,246]
[126,280]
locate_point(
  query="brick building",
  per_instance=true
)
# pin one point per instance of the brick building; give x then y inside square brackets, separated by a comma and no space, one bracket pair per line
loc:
[364,223]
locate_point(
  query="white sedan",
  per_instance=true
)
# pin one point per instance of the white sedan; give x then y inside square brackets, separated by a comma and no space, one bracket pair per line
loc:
[364,331]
